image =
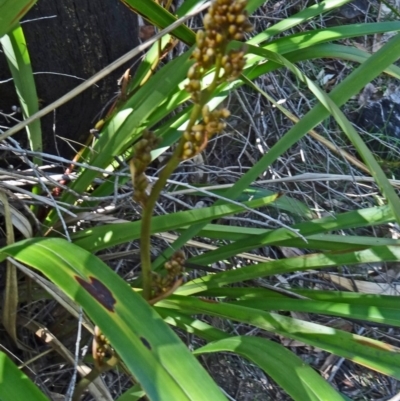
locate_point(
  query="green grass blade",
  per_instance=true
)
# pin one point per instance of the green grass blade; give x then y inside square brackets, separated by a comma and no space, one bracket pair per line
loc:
[351,85]
[303,40]
[351,298]
[135,393]
[11,11]
[97,238]
[189,5]
[190,325]
[329,242]
[382,309]
[282,266]
[380,301]
[151,351]
[299,380]
[354,219]
[329,50]
[383,315]
[210,333]
[264,354]
[373,354]
[16,385]
[332,242]
[293,206]
[17,55]
[296,19]
[160,17]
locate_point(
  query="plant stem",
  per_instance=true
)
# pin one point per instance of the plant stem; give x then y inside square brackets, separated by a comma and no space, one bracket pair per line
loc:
[148,209]
[146,220]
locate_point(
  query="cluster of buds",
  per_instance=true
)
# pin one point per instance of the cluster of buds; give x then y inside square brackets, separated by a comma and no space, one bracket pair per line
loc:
[225,21]
[174,269]
[195,140]
[139,163]
[100,347]
[233,64]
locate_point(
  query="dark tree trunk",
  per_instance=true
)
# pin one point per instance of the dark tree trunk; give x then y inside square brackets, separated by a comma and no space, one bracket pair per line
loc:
[82,37]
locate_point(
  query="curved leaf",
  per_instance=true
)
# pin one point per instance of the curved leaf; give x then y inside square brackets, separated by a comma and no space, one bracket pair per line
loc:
[281,266]
[389,315]
[16,51]
[11,11]
[101,237]
[373,354]
[298,379]
[15,384]
[150,349]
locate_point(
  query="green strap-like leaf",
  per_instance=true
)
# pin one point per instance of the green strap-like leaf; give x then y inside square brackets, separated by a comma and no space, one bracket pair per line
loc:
[282,266]
[102,237]
[351,85]
[150,349]
[11,12]
[353,219]
[373,354]
[297,19]
[160,17]
[371,313]
[298,379]
[17,55]
[14,384]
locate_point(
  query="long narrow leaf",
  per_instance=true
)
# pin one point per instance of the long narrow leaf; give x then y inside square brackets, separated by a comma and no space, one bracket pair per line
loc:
[17,55]
[299,380]
[11,11]
[389,316]
[16,385]
[101,237]
[152,352]
[349,87]
[373,354]
[159,16]
[313,261]
[281,364]
[297,19]
[282,236]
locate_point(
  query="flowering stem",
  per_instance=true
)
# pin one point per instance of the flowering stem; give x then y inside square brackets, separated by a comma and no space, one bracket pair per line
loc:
[145,235]
[222,24]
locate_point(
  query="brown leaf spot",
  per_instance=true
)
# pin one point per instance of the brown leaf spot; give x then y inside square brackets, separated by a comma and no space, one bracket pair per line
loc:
[98,291]
[145,343]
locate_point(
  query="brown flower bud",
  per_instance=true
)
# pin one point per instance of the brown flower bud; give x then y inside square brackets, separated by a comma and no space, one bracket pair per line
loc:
[232,29]
[225,113]
[200,38]
[188,153]
[187,146]
[198,127]
[188,136]
[199,136]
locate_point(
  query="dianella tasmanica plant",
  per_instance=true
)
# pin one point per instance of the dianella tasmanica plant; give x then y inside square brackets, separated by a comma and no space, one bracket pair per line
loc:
[225,22]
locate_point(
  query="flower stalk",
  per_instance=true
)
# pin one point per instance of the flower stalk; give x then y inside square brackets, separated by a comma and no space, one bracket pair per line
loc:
[225,21]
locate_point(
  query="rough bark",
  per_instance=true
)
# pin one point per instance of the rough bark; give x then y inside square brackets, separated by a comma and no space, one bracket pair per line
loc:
[82,37]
